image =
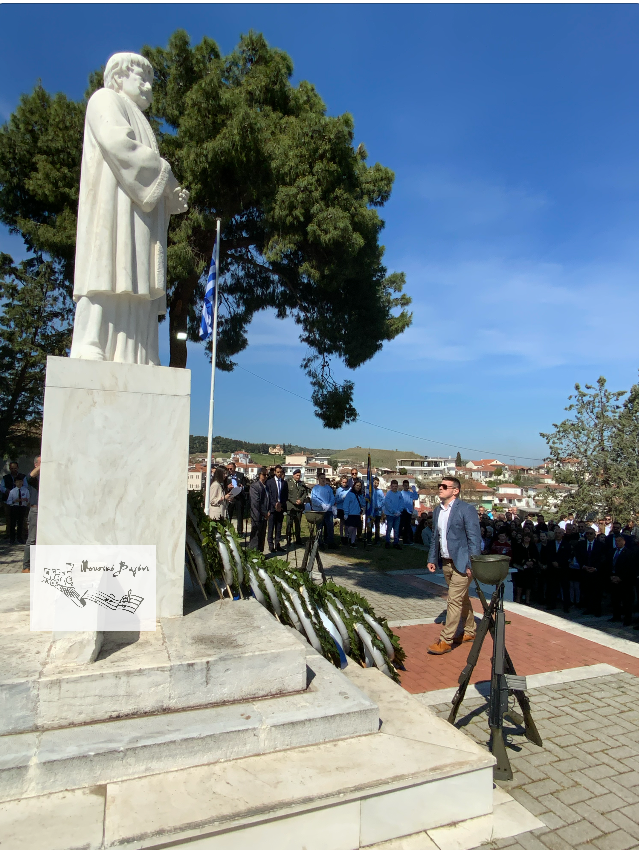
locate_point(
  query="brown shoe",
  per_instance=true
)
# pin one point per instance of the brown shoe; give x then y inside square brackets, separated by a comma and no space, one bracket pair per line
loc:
[462,639]
[440,647]
[27,570]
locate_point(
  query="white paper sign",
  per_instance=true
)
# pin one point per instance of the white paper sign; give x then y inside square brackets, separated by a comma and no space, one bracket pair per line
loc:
[93,588]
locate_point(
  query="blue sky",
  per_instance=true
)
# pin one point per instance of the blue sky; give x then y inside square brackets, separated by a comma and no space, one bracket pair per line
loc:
[512,131]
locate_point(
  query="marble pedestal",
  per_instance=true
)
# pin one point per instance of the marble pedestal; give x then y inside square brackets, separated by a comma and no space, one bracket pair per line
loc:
[115,446]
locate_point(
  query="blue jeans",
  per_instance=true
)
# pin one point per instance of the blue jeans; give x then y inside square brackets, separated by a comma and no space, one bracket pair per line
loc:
[392,524]
[328,534]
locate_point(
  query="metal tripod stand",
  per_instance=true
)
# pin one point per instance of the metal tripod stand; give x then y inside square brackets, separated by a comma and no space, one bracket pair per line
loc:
[503,682]
[311,550]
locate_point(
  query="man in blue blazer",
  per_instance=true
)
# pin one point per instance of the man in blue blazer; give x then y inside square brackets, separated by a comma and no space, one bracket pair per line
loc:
[456,536]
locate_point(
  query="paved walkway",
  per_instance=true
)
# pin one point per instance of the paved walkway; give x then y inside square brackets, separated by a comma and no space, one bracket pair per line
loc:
[10,557]
[584,783]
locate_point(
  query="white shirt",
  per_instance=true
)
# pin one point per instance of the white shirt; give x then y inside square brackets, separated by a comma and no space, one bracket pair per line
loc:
[442,525]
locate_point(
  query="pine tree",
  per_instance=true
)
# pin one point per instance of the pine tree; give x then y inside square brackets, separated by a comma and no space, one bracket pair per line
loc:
[297,200]
[35,322]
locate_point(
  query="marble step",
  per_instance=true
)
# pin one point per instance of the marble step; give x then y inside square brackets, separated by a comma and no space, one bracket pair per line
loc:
[417,773]
[330,708]
[223,653]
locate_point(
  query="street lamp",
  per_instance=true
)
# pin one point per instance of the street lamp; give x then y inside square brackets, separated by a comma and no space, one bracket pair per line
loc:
[181,335]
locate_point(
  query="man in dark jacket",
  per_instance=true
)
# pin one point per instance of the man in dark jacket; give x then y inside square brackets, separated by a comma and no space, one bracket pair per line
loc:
[7,485]
[297,496]
[590,555]
[260,508]
[277,488]
[236,504]
[558,556]
[622,569]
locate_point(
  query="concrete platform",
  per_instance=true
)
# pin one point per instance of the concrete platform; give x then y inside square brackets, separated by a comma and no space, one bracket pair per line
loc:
[331,708]
[417,773]
[223,653]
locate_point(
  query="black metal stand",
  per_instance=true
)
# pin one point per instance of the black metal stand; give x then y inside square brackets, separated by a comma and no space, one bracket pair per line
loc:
[503,682]
[311,551]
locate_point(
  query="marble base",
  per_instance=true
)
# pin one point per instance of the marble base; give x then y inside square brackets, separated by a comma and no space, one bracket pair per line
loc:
[224,653]
[416,773]
[115,445]
[331,708]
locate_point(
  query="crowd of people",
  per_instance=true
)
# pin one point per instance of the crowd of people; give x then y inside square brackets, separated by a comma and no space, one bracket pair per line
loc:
[566,562]
[272,497]
[19,493]
[570,562]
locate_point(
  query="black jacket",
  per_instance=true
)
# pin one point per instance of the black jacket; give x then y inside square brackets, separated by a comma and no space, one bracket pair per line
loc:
[625,566]
[561,556]
[271,486]
[241,479]
[260,502]
[595,558]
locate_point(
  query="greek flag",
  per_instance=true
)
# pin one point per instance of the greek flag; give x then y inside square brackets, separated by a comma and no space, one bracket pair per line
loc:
[206,323]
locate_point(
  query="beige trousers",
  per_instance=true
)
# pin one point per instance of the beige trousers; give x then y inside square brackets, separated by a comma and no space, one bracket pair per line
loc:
[458,607]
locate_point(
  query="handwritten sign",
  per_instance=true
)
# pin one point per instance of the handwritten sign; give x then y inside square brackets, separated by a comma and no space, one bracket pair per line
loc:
[93,588]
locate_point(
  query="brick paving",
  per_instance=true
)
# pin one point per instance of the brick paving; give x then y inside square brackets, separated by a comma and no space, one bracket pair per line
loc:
[584,783]
[534,648]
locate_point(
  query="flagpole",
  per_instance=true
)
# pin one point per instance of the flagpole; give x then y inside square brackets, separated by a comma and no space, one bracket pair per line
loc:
[209,450]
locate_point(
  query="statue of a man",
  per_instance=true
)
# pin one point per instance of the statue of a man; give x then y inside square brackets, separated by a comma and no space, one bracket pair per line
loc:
[127,195]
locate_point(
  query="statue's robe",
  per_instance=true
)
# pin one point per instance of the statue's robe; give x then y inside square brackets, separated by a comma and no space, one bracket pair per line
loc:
[123,216]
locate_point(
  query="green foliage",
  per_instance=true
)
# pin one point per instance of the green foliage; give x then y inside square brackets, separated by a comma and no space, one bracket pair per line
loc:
[35,321]
[312,597]
[402,471]
[458,460]
[598,435]
[298,204]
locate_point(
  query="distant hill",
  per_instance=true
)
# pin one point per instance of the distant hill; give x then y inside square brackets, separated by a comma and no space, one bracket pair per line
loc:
[223,446]
[379,457]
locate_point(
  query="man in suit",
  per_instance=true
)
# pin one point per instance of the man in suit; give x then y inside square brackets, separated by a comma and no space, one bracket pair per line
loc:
[260,509]
[236,504]
[456,536]
[278,494]
[622,569]
[7,484]
[558,557]
[590,555]
[297,496]
[234,479]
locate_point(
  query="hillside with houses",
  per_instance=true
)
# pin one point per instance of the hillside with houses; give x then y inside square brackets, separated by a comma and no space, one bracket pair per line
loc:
[491,482]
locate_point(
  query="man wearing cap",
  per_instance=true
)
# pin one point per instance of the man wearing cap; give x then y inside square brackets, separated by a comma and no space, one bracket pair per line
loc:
[456,536]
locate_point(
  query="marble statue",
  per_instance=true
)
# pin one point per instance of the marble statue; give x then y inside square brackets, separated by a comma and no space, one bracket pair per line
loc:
[127,195]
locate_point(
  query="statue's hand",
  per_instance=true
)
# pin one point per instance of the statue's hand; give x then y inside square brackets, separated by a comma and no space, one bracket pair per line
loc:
[180,200]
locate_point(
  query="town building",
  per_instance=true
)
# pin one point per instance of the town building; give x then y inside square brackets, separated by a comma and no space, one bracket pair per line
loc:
[427,467]
[275,450]
[196,478]
[241,456]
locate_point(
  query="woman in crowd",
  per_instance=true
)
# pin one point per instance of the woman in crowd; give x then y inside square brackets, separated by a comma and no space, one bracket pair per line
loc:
[219,500]
[340,495]
[526,559]
[354,507]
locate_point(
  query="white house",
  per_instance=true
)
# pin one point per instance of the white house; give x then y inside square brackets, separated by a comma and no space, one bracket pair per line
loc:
[298,460]
[196,478]
[427,467]
[241,456]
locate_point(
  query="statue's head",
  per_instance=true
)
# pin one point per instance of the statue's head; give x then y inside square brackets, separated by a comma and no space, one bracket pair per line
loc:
[132,75]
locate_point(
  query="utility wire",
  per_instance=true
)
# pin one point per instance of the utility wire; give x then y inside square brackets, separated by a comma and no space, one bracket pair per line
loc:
[384,428]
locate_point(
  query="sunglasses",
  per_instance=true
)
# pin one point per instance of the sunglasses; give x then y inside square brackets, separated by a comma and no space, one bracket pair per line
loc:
[445,486]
